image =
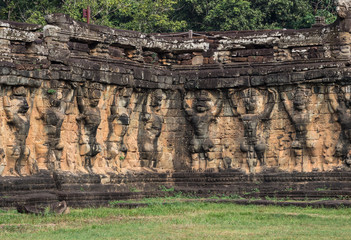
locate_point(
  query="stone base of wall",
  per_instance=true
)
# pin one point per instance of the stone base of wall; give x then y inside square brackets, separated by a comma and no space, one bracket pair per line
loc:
[100,190]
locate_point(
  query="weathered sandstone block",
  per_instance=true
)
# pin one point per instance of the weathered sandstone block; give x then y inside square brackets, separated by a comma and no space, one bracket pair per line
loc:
[88,99]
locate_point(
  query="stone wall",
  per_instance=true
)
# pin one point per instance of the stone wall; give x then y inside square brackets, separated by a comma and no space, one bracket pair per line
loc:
[89,99]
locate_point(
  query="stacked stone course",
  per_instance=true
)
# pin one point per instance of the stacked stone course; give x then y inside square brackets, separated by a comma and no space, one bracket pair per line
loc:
[104,101]
[84,99]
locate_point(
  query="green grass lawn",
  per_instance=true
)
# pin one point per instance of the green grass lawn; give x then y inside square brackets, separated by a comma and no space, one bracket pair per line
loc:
[192,220]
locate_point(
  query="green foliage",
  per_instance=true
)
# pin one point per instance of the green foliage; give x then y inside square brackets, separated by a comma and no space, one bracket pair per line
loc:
[51,91]
[285,13]
[268,198]
[138,15]
[165,189]
[28,11]
[322,189]
[177,15]
[325,8]
[233,15]
[134,189]
[342,197]
[255,190]
[101,10]
[149,16]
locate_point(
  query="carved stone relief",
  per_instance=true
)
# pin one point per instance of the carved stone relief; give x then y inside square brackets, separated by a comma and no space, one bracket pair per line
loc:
[339,99]
[89,119]
[144,129]
[302,116]
[52,109]
[18,118]
[119,121]
[150,127]
[203,111]
[254,145]
[343,7]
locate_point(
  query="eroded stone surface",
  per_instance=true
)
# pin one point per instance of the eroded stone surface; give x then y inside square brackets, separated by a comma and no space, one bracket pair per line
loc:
[88,99]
